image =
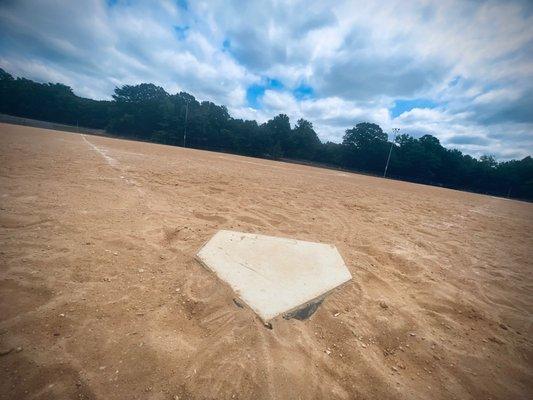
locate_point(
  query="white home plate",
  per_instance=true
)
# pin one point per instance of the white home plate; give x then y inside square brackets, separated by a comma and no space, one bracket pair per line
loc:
[274,275]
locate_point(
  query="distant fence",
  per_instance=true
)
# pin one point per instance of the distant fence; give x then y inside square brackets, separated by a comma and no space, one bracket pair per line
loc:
[10,119]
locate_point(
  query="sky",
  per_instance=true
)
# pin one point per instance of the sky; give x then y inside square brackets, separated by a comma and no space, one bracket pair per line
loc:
[459,70]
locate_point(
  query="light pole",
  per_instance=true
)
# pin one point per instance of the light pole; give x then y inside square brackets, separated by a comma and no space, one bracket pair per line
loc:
[395,132]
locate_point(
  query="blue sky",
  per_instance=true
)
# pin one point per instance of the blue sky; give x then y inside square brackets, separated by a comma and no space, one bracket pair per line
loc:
[459,70]
[404,105]
[256,91]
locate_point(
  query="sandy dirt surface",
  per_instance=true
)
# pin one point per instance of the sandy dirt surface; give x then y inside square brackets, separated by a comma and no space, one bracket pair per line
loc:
[101,297]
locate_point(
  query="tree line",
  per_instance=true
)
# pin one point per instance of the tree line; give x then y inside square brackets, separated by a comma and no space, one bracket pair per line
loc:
[147,112]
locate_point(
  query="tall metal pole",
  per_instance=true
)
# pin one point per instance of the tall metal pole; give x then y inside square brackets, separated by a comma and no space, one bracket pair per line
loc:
[395,130]
[185,127]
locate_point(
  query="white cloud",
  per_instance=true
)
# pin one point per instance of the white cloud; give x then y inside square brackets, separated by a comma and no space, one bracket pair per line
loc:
[505,94]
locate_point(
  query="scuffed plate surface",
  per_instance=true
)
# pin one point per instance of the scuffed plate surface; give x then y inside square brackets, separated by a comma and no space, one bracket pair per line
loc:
[274,275]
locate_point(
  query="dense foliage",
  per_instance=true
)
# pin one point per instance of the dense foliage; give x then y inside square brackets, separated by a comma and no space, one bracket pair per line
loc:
[147,112]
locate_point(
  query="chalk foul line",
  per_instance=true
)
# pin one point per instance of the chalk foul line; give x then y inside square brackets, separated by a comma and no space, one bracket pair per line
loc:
[110,160]
[113,163]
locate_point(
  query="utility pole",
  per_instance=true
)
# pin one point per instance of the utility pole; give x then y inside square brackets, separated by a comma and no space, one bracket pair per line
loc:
[185,126]
[395,132]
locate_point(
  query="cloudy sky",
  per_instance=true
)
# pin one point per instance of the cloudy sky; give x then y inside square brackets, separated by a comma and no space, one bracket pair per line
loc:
[460,70]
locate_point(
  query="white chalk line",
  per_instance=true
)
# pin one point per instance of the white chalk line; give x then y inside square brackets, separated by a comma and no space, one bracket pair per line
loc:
[110,160]
[113,163]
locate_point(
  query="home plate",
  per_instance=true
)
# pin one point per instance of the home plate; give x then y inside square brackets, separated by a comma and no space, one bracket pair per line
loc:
[275,276]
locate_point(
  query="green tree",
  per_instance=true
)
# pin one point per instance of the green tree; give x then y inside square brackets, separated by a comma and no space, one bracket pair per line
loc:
[303,142]
[367,147]
[279,131]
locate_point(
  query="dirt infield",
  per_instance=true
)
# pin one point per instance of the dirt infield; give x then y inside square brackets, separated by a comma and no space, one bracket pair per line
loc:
[100,296]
